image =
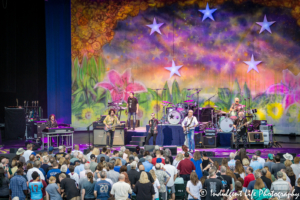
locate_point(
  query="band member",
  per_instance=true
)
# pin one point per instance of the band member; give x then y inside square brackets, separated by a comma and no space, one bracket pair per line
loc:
[133,109]
[152,130]
[243,131]
[188,124]
[51,123]
[236,106]
[111,120]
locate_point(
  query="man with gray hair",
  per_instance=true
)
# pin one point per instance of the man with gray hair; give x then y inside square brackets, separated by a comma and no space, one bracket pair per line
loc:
[265,179]
[280,187]
[257,174]
[255,164]
[112,174]
[86,170]
[225,179]
[80,167]
[132,173]
[213,185]
[241,125]
[231,163]
[36,166]
[121,189]
[163,178]
[63,170]
[99,192]
[259,159]
[45,166]
[147,164]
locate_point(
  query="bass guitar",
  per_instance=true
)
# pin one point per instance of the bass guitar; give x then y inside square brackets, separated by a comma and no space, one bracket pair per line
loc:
[110,127]
[187,129]
[238,129]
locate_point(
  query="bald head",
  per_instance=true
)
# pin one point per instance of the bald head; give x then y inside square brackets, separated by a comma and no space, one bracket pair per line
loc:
[157,166]
[141,168]
[121,177]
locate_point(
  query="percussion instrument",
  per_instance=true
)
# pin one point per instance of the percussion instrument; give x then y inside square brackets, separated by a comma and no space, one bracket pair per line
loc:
[175,117]
[226,125]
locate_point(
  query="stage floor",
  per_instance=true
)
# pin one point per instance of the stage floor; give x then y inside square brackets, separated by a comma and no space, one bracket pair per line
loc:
[290,145]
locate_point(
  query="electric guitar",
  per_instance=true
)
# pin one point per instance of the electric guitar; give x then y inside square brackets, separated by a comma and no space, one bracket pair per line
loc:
[238,129]
[110,127]
[187,129]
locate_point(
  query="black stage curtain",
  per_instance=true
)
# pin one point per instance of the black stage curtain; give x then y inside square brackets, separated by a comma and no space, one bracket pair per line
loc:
[14,123]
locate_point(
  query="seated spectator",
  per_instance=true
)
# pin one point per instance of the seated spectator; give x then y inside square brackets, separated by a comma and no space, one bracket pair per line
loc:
[121,189]
[118,165]
[99,193]
[52,190]
[87,191]
[68,186]
[35,168]
[277,166]
[280,187]
[232,161]
[255,164]
[74,175]
[144,188]
[35,187]
[193,187]
[4,184]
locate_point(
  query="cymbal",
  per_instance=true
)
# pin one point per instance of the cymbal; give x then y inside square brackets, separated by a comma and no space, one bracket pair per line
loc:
[188,101]
[167,102]
[220,112]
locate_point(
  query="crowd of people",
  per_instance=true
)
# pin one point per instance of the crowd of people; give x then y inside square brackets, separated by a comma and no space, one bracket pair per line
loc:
[110,174]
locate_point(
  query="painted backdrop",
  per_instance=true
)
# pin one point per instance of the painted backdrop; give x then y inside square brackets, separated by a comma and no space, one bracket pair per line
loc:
[114,52]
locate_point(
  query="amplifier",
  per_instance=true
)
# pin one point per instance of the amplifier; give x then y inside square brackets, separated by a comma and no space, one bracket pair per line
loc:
[266,127]
[267,137]
[210,131]
[255,137]
[263,122]
[101,135]
[39,126]
[209,141]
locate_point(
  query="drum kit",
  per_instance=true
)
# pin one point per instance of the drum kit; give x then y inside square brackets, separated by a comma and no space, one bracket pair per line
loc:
[218,119]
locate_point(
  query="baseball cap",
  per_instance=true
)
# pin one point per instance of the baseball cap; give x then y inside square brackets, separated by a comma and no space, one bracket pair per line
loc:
[33,153]
[92,156]
[50,148]
[270,156]
[158,160]
[60,147]
[34,175]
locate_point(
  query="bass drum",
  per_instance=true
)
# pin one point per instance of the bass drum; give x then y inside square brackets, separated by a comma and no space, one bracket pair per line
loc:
[226,125]
[175,117]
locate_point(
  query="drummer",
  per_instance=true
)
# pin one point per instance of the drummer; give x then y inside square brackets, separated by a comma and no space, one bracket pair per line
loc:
[236,106]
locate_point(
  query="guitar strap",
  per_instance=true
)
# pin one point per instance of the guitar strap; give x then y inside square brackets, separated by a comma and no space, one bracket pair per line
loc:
[191,122]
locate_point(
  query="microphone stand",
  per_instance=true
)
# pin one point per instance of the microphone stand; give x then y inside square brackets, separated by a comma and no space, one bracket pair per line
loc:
[88,129]
[157,99]
[197,92]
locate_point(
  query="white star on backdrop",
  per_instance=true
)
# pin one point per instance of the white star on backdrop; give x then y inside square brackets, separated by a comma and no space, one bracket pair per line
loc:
[265,25]
[174,69]
[252,64]
[155,27]
[208,13]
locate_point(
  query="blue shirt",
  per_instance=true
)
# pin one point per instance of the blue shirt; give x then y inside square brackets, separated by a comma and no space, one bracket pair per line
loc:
[36,190]
[251,185]
[148,166]
[117,168]
[102,155]
[103,189]
[43,171]
[198,167]
[79,168]
[123,161]
[17,185]
[89,189]
[256,165]
[52,172]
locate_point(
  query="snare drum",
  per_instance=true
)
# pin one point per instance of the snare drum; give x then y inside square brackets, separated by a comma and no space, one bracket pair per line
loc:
[233,115]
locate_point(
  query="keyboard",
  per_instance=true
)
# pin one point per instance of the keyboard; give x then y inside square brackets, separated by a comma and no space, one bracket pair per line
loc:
[58,130]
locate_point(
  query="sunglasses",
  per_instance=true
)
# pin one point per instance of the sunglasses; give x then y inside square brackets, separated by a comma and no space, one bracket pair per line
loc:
[237,101]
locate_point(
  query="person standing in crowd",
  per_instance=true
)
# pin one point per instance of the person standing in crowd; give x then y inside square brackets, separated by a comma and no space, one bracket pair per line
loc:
[80,168]
[231,163]
[76,149]
[68,186]
[156,184]
[121,189]
[73,175]
[259,191]
[52,190]
[163,179]
[249,177]
[198,163]
[280,187]
[239,170]
[186,167]
[53,171]
[45,166]
[297,190]
[112,174]
[60,153]
[144,188]
[28,152]
[259,159]
[35,168]
[132,173]
[172,171]
[177,160]
[193,187]
[296,166]
[205,162]
[87,192]
[93,163]
[103,154]
[266,180]
[118,165]
[213,185]
[257,175]
[255,164]
[35,187]
[102,187]
[291,175]
[158,155]
[4,184]
[147,164]
[133,109]
[20,153]
[269,162]
[277,166]
[225,179]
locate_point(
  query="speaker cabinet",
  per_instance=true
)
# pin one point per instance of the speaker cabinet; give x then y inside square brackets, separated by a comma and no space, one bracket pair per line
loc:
[149,148]
[101,135]
[254,137]
[209,141]
[39,126]
[173,149]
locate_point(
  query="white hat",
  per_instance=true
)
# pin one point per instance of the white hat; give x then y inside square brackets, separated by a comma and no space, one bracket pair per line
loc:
[20,151]
[288,156]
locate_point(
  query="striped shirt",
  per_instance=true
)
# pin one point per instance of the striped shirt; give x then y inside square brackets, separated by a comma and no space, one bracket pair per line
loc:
[281,189]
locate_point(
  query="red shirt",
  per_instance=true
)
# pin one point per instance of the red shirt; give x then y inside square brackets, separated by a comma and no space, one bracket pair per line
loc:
[248,179]
[154,161]
[186,166]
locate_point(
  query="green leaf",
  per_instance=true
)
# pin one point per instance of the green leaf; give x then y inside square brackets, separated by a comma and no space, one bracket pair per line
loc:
[77,91]
[155,96]
[92,67]
[75,69]
[175,92]
[236,91]
[100,70]
[166,96]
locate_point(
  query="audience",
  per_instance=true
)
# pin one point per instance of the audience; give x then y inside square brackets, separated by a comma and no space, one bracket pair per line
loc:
[205,162]
[213,185]
[52,190]
[265,179]
[193,186]
[277,166]
[99,193]
[93,163]
[177,160]
[281,187]
[255,164]
[163,179]
[270,161]
[112,174]
[121,189]
[4,184]
[259,159]
[118,165]
[61,153]
[68,186]
[172,171]
[35,168]
[225,179]
[186,167]
[87,191]
[260,192]
[144,188]
[156,184]
[148,163]
[296,166]
[231,163]
[158,155]
[198,163]
[249,177]
[36,186]
[28,152]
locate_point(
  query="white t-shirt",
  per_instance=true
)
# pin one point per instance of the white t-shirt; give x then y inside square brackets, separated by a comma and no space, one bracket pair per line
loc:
[195,190]
[75,177]
[121,190]
[155,185]
[187,121]
[26,154]
[34,169]
[172,172]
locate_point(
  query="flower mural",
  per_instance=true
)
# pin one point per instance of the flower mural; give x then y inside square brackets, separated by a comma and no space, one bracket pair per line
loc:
[290,87]
[120,85]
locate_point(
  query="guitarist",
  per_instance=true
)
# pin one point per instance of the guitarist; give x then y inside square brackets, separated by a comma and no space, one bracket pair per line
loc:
[188,124]
[243,130]
[111,120]
[152,130]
